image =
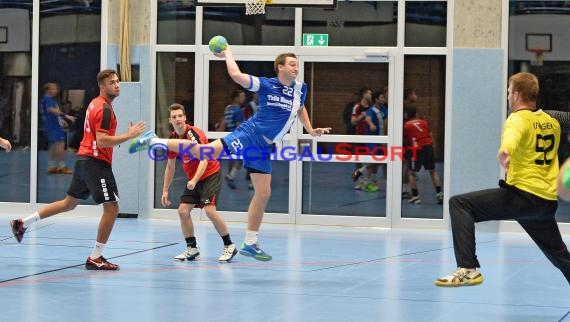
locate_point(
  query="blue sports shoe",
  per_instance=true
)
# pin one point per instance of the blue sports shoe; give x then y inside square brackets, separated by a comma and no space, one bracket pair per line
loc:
[254,251]
[141,142]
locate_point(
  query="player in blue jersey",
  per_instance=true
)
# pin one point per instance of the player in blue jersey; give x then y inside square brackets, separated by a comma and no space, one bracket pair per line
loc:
[281,100]
[51,117]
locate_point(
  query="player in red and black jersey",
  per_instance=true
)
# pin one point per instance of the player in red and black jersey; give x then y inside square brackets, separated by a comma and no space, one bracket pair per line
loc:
[358,120]
[93,174]
[418,134]
[201,191]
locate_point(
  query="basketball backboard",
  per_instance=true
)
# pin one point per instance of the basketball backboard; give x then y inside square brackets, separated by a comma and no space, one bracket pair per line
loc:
[542,42]
[538,44]
[274,3]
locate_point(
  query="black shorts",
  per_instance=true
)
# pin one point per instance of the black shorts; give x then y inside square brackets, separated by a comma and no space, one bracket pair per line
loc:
[424,157]
[205,193]
[93,177]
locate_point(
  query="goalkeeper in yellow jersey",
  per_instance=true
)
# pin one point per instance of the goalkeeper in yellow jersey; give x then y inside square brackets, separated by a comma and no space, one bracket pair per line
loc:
[528,153]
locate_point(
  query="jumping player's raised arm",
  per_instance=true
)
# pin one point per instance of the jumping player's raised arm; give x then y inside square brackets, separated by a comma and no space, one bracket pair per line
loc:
[233,70]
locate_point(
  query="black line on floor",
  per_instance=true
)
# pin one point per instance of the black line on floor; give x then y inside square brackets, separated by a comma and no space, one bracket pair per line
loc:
[76,246]
[565,315]
[360,201]
[77,239]
[38,228]
[82,264]
[389,257]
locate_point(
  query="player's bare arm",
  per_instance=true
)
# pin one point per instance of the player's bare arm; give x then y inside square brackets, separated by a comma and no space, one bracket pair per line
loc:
[104,140]
[5,144]
[304,118]
[504,158]
[168,175]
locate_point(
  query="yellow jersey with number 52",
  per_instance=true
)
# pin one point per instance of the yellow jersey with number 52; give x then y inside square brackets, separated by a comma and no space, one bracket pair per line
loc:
[532,139]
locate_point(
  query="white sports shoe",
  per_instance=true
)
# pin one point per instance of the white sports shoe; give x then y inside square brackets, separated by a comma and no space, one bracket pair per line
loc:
[415,200]
[228,253]
[189,254]
[461,276]
[439,197]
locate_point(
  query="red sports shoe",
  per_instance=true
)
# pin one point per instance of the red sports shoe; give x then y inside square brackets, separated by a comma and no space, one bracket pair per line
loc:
[100,264]
[18,229]
[356,174]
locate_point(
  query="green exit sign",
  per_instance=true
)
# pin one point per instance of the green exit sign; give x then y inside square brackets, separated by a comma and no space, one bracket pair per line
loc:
[315,40]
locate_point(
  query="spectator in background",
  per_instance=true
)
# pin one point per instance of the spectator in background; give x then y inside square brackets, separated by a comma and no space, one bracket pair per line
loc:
[358,120]
[233,117]
[374,120]
[347,113]
[384,111]
[410,99]
[418,134]
[54,121]
[250,108]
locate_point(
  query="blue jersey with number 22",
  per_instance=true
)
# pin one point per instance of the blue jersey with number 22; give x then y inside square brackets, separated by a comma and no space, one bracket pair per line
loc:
[278,106]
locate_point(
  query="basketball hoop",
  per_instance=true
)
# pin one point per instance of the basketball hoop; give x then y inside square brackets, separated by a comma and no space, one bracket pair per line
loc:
[255,7]
[538,58]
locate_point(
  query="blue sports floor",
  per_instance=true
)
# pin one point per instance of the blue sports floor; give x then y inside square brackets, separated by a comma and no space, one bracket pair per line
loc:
[317,274]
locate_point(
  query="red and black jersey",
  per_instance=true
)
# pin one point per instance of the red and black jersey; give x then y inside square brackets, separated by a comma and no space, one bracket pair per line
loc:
[361,126]
[417,132]
[99,118]
[190,164]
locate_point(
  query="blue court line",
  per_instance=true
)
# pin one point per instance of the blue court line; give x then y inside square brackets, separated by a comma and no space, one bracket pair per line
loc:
[389,257]
[565,315]
[78,265]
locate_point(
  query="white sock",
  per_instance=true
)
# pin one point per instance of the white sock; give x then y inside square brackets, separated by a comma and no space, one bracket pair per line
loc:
[233,172]
[251,237]
[31,219]
[61,164]
[97,250]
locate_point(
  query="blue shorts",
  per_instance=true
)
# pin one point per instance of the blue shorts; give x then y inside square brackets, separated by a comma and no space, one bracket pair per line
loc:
[55,135]
[250,145]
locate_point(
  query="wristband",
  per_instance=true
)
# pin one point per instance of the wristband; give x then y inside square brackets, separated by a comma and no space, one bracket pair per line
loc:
[61,114]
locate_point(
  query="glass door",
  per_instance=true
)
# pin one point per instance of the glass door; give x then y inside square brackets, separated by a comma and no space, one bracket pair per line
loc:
[345,178]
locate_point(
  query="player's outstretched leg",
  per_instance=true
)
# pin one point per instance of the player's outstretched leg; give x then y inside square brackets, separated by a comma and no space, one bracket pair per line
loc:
[141,142]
